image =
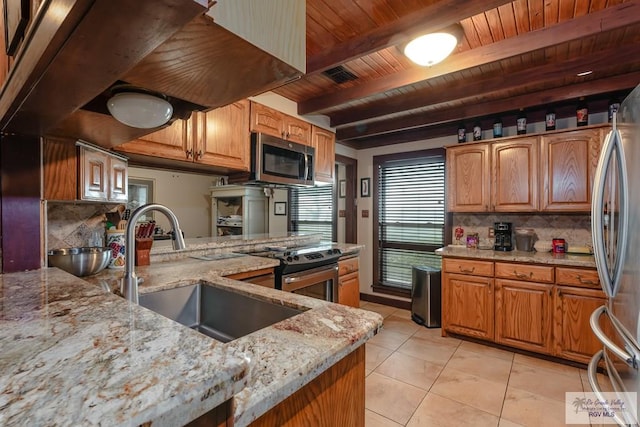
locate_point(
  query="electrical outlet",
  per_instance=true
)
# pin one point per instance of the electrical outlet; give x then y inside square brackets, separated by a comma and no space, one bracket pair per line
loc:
[491,234]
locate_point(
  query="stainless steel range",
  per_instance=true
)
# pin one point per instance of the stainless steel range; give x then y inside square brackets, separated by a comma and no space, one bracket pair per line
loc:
[306,270]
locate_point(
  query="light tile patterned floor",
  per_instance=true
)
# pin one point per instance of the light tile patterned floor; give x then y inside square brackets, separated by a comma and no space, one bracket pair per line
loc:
[416,378]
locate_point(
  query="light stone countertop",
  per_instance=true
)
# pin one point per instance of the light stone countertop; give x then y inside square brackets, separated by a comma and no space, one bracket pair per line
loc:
[136,366]
[519,256]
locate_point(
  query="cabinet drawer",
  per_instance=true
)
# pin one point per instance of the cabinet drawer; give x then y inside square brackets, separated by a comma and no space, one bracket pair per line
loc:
[465,266]
[530,273]
[347,266]
[577,277]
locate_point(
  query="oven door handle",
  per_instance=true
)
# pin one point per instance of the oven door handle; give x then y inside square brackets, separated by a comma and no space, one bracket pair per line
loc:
[299,281]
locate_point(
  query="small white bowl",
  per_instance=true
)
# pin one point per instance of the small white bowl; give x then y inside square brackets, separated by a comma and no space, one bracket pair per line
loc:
[542,246]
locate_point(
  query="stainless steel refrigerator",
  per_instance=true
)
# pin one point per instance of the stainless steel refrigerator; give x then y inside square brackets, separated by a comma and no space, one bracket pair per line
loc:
[615,219]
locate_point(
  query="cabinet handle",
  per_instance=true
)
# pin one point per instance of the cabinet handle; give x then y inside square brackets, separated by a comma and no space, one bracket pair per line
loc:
[585,281]
[522,275]
[197,155]
[189,152]
[464,270]
[288,135]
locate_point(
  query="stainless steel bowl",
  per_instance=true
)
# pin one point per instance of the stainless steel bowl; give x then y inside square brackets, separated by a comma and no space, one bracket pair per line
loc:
[80,261]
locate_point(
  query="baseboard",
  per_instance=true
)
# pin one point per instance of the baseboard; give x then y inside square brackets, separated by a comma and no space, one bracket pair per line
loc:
[406,305]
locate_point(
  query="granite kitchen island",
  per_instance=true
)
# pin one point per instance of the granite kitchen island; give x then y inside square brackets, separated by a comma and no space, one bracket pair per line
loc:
[74,354]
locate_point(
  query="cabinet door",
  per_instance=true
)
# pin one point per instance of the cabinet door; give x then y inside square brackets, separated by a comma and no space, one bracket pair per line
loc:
[524,315]
[573,338]
[515,175]
[60,169]
[324,143]
[223,139]
[118,180]
[94,175]
[266,120]
[349,290]
[467,305]
[468,178]
[569,161]
[173,142]
[297,130]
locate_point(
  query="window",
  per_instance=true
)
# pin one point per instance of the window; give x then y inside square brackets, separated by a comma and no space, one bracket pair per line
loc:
[409,217]
[312,211]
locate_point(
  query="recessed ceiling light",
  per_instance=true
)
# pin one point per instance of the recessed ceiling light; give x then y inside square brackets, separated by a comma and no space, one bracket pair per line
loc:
[584,73]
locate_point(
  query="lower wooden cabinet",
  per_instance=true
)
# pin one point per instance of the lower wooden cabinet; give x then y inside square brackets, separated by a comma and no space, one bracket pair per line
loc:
[264,277]
[573,338]
[539,308]
[524,313]
[468,305]
[349,282]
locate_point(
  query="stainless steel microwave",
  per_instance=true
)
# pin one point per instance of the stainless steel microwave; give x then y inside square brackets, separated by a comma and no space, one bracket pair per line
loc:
[277,161]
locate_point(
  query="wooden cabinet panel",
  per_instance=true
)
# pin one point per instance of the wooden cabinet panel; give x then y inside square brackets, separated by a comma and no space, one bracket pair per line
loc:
[264,277]
[173,142]
[324,143]
[524,315]
[223,139]
[93,176]
[465,266]
[272,122]
[573,338]
[297,130]
[349,282]
[568,164]
[118,180]
[514,181]
[60,169]
[583,277]
[468,305]
[528,272]
[468,178]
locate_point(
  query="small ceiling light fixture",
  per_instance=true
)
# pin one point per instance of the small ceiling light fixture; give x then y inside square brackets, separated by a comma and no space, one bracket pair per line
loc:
[429,49]
[139,108]
[584,73]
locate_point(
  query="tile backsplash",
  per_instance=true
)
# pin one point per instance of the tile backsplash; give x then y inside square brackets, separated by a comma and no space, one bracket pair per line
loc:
[72,224]
[574,228]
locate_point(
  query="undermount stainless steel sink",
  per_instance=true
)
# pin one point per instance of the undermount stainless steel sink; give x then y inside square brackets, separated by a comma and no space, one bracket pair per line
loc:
[218,313]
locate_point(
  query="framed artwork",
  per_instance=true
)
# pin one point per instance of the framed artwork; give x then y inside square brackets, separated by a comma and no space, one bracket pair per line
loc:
[141,193]
[342,188]
[365,190]
[280,208]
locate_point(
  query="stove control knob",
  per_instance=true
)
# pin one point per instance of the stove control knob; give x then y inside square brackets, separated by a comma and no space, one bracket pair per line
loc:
[296,258]
[289,259]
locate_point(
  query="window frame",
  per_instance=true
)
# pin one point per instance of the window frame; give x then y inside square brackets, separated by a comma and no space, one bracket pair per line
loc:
[292,224]
[378,161]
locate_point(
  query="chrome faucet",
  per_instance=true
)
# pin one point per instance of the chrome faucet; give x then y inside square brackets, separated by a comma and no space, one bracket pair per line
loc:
[129,286]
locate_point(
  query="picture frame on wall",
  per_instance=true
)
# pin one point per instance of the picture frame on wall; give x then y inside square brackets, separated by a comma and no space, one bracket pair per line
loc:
[280,208]
[365,187]
[342,188]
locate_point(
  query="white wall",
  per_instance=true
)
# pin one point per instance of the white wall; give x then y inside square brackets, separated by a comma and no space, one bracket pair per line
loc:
[186,194]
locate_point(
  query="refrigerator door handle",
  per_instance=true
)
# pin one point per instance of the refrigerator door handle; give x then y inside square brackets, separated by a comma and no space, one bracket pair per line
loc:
[610,280]
[629,357]
[592,370]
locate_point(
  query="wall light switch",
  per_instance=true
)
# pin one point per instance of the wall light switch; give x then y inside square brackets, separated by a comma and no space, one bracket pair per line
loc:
[490,234]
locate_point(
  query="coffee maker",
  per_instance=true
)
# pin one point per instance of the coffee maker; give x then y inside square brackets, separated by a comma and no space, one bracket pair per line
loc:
[503,236]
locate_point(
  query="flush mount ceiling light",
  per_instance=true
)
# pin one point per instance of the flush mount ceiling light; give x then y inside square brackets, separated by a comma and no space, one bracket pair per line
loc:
[429,49]
[140,109]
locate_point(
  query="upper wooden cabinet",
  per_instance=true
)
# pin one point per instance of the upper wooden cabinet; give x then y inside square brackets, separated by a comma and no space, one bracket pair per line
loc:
[217,138]
[468,178]
[77,171]
[551,172]
[220,139]
[324,143]
[514,175]
[273,122]
[568,164]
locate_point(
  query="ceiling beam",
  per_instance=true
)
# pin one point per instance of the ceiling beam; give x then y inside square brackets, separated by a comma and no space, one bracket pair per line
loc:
[589,25]
[431,18]
[472,110]
[471,88]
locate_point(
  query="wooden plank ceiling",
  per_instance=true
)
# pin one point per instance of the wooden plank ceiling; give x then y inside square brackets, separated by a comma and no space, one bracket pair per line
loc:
[514,54]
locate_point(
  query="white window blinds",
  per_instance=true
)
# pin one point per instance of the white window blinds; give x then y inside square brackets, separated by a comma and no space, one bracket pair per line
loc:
[312,210]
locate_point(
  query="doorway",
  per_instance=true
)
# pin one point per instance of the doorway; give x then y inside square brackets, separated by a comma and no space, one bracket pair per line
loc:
[346,203]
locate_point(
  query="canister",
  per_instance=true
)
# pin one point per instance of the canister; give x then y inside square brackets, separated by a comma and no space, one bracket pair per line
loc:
[116,241]
[558,246]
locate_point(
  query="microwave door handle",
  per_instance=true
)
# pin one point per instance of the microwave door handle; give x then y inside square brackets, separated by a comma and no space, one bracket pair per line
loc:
[306,167]
[597,215]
